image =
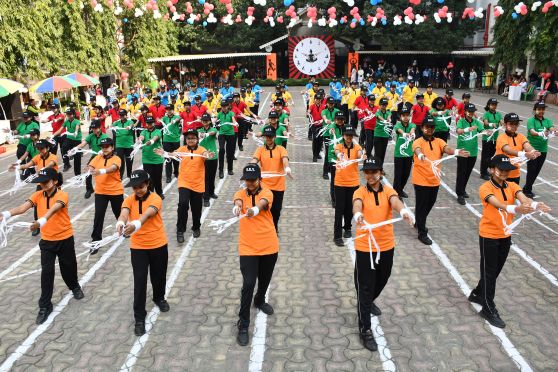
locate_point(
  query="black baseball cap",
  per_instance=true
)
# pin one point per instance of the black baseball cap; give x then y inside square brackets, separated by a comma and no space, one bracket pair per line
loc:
[210,93]
[340,115]
[53,106]
[539,105]
[405,110]
[512,117]
[470,107]
[170,107]
[429,85]
[138,177]
[420,95]
[197,96]
[502,162]
[268,131]
[330,100]
[492,101]
[235,95]
[279,101]
[70,111]
[95,123]
[107,141]
[224,102]
[371,97]
[144,108]
[150,120]
[383,101]
[349,130]
[372,163]
[438,101]
[187,103]
[34,132]
[42,144]
[429,121]
[466,95]
[46,174]
[449,92]
[192,131]
[354,82]
[411,81]
[273,115]
[122,112]
[115,101]
[206,117]
[157,98]
[251,172]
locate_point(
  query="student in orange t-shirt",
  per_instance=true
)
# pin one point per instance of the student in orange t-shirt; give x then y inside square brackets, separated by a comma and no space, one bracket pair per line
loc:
[373,203]
[345,183]
[499,199]
[105,167]
[140,219]
[57,237]
[191,183]
[427,149]
[513,144]
[273,159]
[258,245]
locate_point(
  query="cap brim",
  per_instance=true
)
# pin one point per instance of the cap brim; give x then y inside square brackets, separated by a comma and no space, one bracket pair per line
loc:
[505,166]
[40,179]
[243,178]
[135,182]
[351,134]
[375,167]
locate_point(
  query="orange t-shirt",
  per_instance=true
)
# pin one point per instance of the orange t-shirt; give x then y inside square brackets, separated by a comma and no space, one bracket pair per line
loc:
[58,226]
[257,235]
[191,173]
[271,160]
[152,233]
[41,163]
[491,225]
[515,143]
[376,207]
[349,176]
[107,184]
[422,170]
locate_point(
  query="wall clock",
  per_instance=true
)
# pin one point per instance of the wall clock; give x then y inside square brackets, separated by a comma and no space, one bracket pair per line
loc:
[311,56]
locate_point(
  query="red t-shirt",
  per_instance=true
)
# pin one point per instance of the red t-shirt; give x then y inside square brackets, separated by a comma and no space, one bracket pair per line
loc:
[198,110]
[371,122]
[157,112]
[238,109]
[113,113]
[189,121]
[56,122]
[450,103]
[461,110]
[316,111]
[361,103]
[141,119]
[419,113]
[102,119]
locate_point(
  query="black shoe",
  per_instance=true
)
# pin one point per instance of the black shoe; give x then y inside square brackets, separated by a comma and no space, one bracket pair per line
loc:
[314,159]
[180,237]
[206,203]
[88,194]
[461,200]
[367,339]
[169,179]
[347,234]
[465,195]
[338,242]
[35,232]
[325,177]
[78,293]
[66,168]
[139,329]
[241,148]
[424,239]
[196,233]
[320,157]
[214,196]
[493,318]
[530,195]
[163,305]
[221,174]
[375,310]
[265,308]
[44,312]
[309,138]
[231,173]
[163,197]
[473,297]
[485,177]
[235,158]
[403,194]
[333,204]
[242,337]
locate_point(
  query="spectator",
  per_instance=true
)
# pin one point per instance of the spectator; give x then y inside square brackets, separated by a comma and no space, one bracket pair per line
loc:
[472,79]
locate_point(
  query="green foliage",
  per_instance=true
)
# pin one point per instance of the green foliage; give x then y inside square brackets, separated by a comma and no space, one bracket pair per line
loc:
[545,38]
[511,36]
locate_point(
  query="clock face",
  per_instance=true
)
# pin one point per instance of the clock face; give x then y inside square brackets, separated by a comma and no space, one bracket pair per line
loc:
[311,56]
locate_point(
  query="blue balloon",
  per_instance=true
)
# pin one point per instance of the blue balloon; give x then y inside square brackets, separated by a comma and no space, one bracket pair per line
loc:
[125,20]
[515,15]
[190,21]
[288,2]
[204,23]
[201,2]
[362,22]
[341,21]
[440,1]
[353,20]
[384,21]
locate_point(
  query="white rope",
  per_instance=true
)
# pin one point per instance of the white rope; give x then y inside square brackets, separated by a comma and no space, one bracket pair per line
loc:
[519,160]
[137,146]
[18,183]
[272,174]
[94,246]
[165,128]
[435,165]
[255,120]
[6,227]
[258,140]
[77,181]
[228,123]
[76,150]
[508,229]
[179,155]
[405,145]
[342,164]
[221,225]
[470,136]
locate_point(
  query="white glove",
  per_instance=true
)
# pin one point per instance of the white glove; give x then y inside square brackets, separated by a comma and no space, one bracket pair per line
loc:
[467,130]
[534,205]
[288,171]
[511,209]
[102,171]
[421,156]
[6,215]
[356,216]
[236,210]
[137,224]
[340,155]
[42,221]
[256,211]
[521,154]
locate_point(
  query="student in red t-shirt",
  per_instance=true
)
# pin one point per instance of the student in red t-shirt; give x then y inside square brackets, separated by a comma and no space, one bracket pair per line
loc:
[461,106]
[368,118]
[113,111]
[56,120]
[189,119]
[450,101]
[157,110]
[419,111]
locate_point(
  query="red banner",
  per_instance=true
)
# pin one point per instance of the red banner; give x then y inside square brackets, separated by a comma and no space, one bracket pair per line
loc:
[271,66]
[352,62]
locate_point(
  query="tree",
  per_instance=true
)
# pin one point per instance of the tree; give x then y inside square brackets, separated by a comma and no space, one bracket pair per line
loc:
[544,38]
[511,36]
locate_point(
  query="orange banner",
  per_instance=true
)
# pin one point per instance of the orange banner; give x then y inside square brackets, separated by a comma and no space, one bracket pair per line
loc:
[352,62]
[271,66]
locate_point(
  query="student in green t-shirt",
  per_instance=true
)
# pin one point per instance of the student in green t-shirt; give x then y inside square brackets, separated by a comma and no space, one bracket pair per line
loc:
[93,139]
[468,128]
[492,121]
[124,135]
[150,137]
[30,152]
[403,155]
[227,143]
[328,117]
[22,130]
[273,121]
[171,140]
[73,139]
[208,137]
[441,118]
[382,130]
[333,135]
[538,129]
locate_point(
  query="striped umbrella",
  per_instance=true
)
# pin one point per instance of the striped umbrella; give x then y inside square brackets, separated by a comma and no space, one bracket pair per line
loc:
[8,86]
[84,79]
[54,84]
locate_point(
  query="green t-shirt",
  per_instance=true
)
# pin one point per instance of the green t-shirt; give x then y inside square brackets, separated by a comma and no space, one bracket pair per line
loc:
[71,128]
[94,142]
[493,119]
[147,154]
[225,129]
[124,138]
[330,115]
[442,125]
[538,142]
[209,142]
[381,126]
[32,150]
[331,147]
[284,116]
[24,128]
[400,140]
[175,129]
[280,131]
[471,145]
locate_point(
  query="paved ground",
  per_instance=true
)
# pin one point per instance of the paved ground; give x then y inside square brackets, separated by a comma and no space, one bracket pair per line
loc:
[427,322]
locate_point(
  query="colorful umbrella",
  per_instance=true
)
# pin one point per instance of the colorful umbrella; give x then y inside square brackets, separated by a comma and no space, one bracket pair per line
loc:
[54,84]
[8,86]
[84,79]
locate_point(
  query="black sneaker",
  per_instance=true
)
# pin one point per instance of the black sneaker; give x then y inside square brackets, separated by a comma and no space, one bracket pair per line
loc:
[461,200]
[424,239]
[314,159]
[241,148]
[485,177]
[221,174]
[180,237]
[196,233]
[231,173]
[242,337]
[338,242]
[473,297]
[168,179]
[309,138]
[367,339]
[325,176]
[206,203]
[493,318]
[35,232]
[78,293]
[320,157]
[347,234]
[66,168]
[44,312]
[163,305]
[139,329]
[214,196]
[375,310]
[88,194]
[465,195]
[235,158]
[403,194]
[265,308]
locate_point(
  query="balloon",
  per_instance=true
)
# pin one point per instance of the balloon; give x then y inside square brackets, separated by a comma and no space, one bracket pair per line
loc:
[514,15]
[206,11]
[201,2]
[384,21]
[149,5]
[204,23]
[125,20]
[362,22]
[352,25]
[172,9]
[440,1]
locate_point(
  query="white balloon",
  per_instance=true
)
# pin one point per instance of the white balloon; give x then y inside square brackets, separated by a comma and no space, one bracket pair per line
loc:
[322,22]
